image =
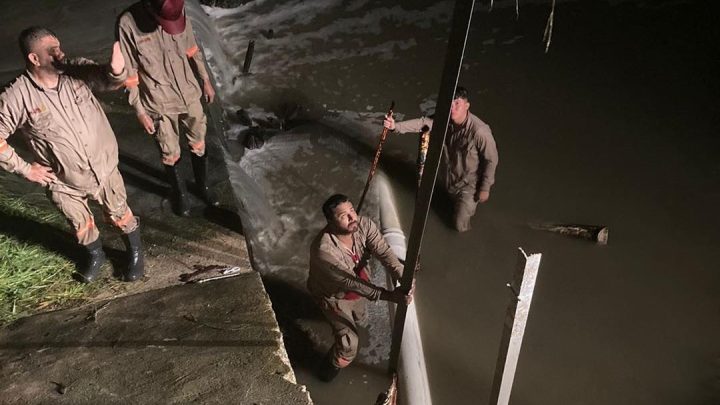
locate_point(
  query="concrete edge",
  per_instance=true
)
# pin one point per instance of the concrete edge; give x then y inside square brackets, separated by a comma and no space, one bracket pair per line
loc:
[200,20]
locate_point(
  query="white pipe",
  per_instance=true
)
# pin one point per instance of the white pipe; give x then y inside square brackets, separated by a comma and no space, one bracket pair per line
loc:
[413,385]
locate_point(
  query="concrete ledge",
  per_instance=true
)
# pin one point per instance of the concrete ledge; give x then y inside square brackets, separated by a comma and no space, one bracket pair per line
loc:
[216,342]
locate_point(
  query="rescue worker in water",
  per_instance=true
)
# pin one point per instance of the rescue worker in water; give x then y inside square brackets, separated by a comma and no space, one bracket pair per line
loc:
[75,150]
[470,153]
[163,60]
[340,277]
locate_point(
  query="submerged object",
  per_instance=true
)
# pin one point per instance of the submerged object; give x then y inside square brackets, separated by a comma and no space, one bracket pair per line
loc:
[595,233]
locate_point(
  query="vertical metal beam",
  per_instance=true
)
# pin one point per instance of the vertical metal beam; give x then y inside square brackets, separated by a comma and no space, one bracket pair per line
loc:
[517,315]
[453,62]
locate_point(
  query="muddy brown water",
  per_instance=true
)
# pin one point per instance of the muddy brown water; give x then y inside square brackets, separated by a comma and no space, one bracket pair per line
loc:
[614,126]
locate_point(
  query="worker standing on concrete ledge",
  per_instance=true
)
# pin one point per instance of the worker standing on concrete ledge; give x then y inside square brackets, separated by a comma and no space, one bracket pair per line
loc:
[340,277]
[74,148]
[163,60]
[470,153]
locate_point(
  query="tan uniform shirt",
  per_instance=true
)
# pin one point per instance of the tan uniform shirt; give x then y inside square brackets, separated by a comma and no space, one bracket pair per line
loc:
[66,129]
[470,151]
[332,267]
[160,77]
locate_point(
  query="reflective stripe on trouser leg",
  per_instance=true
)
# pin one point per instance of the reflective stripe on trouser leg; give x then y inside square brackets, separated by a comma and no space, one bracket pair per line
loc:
[113,199]
[463,210]
[344,329]
[78,214]
[195,123]
[168,139]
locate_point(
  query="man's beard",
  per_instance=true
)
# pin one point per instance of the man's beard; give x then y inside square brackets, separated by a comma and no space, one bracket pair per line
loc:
[57,67]
[349,230]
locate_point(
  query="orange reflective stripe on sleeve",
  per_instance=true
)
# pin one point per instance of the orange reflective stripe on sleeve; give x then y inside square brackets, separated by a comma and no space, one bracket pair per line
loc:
[90,225]
[192,51]
[4,146]
[132,81]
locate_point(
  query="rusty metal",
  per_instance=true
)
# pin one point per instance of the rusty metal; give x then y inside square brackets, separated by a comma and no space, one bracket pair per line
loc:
[376,159]
[423,145]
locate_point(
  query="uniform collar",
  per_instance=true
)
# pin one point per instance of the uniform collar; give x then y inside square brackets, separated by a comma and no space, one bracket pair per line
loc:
[39,86]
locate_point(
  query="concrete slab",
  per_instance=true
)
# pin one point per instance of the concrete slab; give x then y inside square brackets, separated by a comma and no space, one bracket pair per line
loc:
[216,342]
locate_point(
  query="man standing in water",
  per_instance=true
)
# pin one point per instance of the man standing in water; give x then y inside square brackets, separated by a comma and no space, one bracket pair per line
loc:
[339,277]
[74,148]
[163,61]
[470,153]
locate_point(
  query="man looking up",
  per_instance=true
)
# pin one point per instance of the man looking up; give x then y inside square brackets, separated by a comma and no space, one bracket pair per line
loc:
[470,153]
[74,148]
[163,60]
[339,277]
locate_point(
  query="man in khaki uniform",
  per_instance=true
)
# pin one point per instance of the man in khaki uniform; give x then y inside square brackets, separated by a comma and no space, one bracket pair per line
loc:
[339,277]
[163,60]
[74,148]
[470,153]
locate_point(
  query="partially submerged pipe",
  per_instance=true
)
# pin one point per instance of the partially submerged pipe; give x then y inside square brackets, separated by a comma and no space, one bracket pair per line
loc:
[413,385]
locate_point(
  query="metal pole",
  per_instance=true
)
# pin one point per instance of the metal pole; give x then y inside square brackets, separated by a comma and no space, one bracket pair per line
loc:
[522,288]
[248,57]
[453,61]
[376,160]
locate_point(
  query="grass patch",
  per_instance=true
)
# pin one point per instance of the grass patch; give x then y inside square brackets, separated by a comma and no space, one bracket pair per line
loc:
[32,277]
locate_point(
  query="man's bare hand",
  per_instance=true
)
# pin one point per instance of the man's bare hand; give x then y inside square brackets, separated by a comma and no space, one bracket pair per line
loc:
[40,174]
[208,91]
[117,62]
[398,296]
[389,122]
[147,123]
[482,196]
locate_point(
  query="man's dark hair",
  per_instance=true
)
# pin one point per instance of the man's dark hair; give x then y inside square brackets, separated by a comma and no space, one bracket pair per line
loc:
[29,36]
[328,207]
[461,92]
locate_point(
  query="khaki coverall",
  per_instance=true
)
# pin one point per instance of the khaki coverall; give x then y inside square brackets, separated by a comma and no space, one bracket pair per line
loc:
[332,277]
[471,156]
[68,131]
[162,84]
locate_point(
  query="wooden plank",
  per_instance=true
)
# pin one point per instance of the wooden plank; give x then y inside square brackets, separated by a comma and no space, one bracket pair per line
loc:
[515,322]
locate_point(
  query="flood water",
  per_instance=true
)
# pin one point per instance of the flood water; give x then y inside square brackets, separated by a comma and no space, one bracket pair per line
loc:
[616,126]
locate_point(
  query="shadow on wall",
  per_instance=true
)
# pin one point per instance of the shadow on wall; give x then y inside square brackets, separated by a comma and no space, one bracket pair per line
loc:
[290,305]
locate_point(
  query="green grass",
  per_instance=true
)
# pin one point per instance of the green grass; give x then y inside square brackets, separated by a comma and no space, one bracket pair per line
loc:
[32,278]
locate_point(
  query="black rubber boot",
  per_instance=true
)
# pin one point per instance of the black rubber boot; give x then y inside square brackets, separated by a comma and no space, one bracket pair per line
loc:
[136,260]
[180,203]
[327,370]
[200,169]
[95,259]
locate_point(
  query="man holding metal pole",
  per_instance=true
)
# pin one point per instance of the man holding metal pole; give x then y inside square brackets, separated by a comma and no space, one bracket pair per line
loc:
[470,153]
[163,60]
[339,277]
